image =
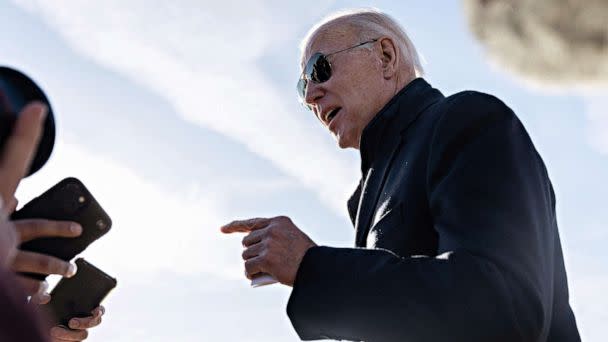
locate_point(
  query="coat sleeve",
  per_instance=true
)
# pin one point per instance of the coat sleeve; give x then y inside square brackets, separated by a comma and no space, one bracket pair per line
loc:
[493,209]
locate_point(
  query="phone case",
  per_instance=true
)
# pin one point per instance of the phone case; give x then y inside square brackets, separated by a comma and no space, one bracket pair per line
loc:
[79,295]
[68,200]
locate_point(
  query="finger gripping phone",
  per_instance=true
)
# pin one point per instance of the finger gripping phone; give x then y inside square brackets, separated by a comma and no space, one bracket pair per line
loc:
[68,200]
[79,295]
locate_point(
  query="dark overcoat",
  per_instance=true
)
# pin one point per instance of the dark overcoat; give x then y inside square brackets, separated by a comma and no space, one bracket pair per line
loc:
[456,233]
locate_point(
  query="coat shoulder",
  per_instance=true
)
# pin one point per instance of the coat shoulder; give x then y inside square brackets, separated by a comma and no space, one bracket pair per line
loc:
[469,110]
[476,103]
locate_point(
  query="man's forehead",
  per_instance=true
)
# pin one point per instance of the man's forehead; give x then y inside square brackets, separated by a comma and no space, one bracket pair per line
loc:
[327,39]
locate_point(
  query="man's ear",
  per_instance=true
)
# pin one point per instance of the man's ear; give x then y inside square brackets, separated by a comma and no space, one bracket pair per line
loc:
[389,57]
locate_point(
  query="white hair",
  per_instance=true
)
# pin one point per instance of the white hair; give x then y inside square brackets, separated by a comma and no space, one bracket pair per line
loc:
[371,23]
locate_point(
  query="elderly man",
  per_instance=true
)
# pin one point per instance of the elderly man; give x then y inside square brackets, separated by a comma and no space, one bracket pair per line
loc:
[454,215]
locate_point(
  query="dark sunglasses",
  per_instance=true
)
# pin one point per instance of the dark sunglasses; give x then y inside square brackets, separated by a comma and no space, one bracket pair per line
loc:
[318,70]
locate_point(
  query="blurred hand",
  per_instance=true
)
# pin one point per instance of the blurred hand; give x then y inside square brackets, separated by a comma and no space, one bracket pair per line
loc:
[8,242]
[78,327]
[15,161]
[31,262]
[19,150]
[274,246]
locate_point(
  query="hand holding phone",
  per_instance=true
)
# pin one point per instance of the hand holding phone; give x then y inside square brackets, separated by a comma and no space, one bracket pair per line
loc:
[26,263]
[68,200]
[79,295]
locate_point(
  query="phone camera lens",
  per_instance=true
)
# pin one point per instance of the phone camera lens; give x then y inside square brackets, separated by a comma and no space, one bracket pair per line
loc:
[81,199]
[101,225]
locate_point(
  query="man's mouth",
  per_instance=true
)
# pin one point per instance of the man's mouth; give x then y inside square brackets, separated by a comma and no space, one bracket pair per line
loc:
[332,114]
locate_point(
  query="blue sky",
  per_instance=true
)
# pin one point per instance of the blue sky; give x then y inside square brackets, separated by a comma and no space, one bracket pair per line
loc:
[183,116]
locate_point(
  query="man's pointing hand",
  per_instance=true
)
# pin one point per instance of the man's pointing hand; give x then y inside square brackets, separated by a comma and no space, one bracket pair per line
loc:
[274,246]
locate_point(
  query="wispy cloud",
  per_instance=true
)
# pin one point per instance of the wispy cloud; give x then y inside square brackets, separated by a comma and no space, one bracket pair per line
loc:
[597,119]
[587,291]
[205,60]
[175,307]
[154,230]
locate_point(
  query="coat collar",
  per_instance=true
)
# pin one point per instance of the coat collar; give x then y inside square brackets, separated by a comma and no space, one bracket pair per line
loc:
[394,117]
[379,142]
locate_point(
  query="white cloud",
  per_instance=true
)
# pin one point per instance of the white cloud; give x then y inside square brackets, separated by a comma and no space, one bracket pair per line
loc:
[153,230]
[204,59]
[587,291]
[174,307]
[174,267]
[597,120]
[179,278]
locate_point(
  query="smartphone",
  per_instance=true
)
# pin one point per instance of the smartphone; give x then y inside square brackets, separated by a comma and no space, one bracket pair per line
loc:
[68,200]
[79,295]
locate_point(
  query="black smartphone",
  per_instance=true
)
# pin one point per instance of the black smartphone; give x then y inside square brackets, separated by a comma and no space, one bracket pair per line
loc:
[68,200]
[79,295]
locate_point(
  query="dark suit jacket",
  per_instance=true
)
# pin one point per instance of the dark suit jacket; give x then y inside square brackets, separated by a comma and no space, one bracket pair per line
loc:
[455,228]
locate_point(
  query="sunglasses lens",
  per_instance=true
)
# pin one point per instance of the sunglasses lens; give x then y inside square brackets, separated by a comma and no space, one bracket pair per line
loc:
[317,70]
[302,83]
[321,70]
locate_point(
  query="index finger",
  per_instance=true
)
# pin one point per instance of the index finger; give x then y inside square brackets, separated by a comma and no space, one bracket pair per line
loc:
[20,147]
[245,226]
[37,228]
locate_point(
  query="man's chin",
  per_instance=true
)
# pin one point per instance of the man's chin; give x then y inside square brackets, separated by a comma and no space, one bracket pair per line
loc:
[344,143]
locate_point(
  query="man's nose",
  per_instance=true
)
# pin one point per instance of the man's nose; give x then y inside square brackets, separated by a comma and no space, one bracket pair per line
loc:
[314,91]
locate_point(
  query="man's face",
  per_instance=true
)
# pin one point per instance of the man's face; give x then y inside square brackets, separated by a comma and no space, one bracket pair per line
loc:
[354,93]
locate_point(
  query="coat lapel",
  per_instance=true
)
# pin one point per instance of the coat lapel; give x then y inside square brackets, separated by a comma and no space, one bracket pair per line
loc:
[370,192]
[353,204]
[382,138]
